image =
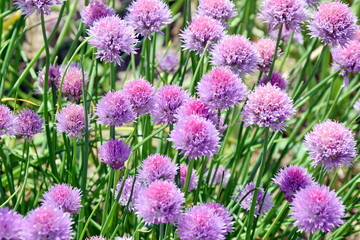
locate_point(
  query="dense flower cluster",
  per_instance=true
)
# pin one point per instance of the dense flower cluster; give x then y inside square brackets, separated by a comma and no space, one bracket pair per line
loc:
[112,37]
[96,10]
[217,9]
[266,49]
[236,52]
[39,6]
[12,224]
[71,120]
[54,77]
[317,208]
[73,82]
[331,144]
[7,121]
[148,16]
[202,31]
[168,63]
[197,107]
[276,80]
[114,153]
[28,123]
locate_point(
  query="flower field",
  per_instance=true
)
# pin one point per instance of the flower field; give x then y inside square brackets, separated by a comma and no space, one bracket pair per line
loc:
[179,119]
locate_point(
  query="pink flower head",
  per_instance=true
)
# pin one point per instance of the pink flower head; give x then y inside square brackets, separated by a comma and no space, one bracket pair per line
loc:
[202,30]
[334,23]
[148,16]
[217,9]
[268,106]
[28,123]
[236,52]
[96,10]
[292,179]
[114,109]
[193,179]
[317,208]
[201,222]
[266,50]
[157,167]
[7,121]
[131,188]
[112,38]
[331,144]
[140,94]
[224,214]
[221,88]
[276,80]
[114,153]
[263,204]
[160,203]
[169,99]
[65,197]
[195,136]
[72,85]
[197,107]
[289,13]
[71,120]
[47,222]
[28,7]
[12,224]
[347,59]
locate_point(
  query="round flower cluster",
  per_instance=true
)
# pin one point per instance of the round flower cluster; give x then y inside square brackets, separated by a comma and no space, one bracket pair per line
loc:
[221,88]
[168,63]
[28,123]
[72,85]
[334,23]
[202,31]
[12,224]
[96,10]
[64,197]
[7,120]
[195,136]
[266,49]
[160,203]
[39,6]
[148,16]
[217,9]
[112,37]
[276,80]
[53,79]
[71,120]
[236,52]
[199,108]
[330,143]
[268,106]
[114,153]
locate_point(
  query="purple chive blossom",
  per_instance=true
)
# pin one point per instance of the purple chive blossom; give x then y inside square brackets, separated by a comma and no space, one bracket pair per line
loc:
[286,34]
[317,208]
[266,48]
[130,188]
[220,174]
[148,16]
[28,123]
[217,9]
[224,214]
[28,7]
[114,153]
[276,80]
[292,179]
[112,38]
[331,144]
[157,167]
[334,23]
[195,137]
[221,88]
[160,203]
[72,85]
[96,238]
[289,13]
[53,79]
[167,102]
[12,224]
[193,179]
[64,197]
[140,94]
[346,59]
[47,222]
[236,52]
[114,109]
[71,120]
[168,63]
[263,204]
[7,121]
[96,10]
[199,108]
[202,30]
[268,106]
[312,3]
[201,222]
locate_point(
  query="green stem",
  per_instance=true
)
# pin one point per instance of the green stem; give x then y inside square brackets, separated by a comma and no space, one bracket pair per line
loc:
[275,52]
[188,175]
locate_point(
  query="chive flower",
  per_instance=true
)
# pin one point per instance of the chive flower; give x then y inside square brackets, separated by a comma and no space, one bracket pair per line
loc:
[114,153]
